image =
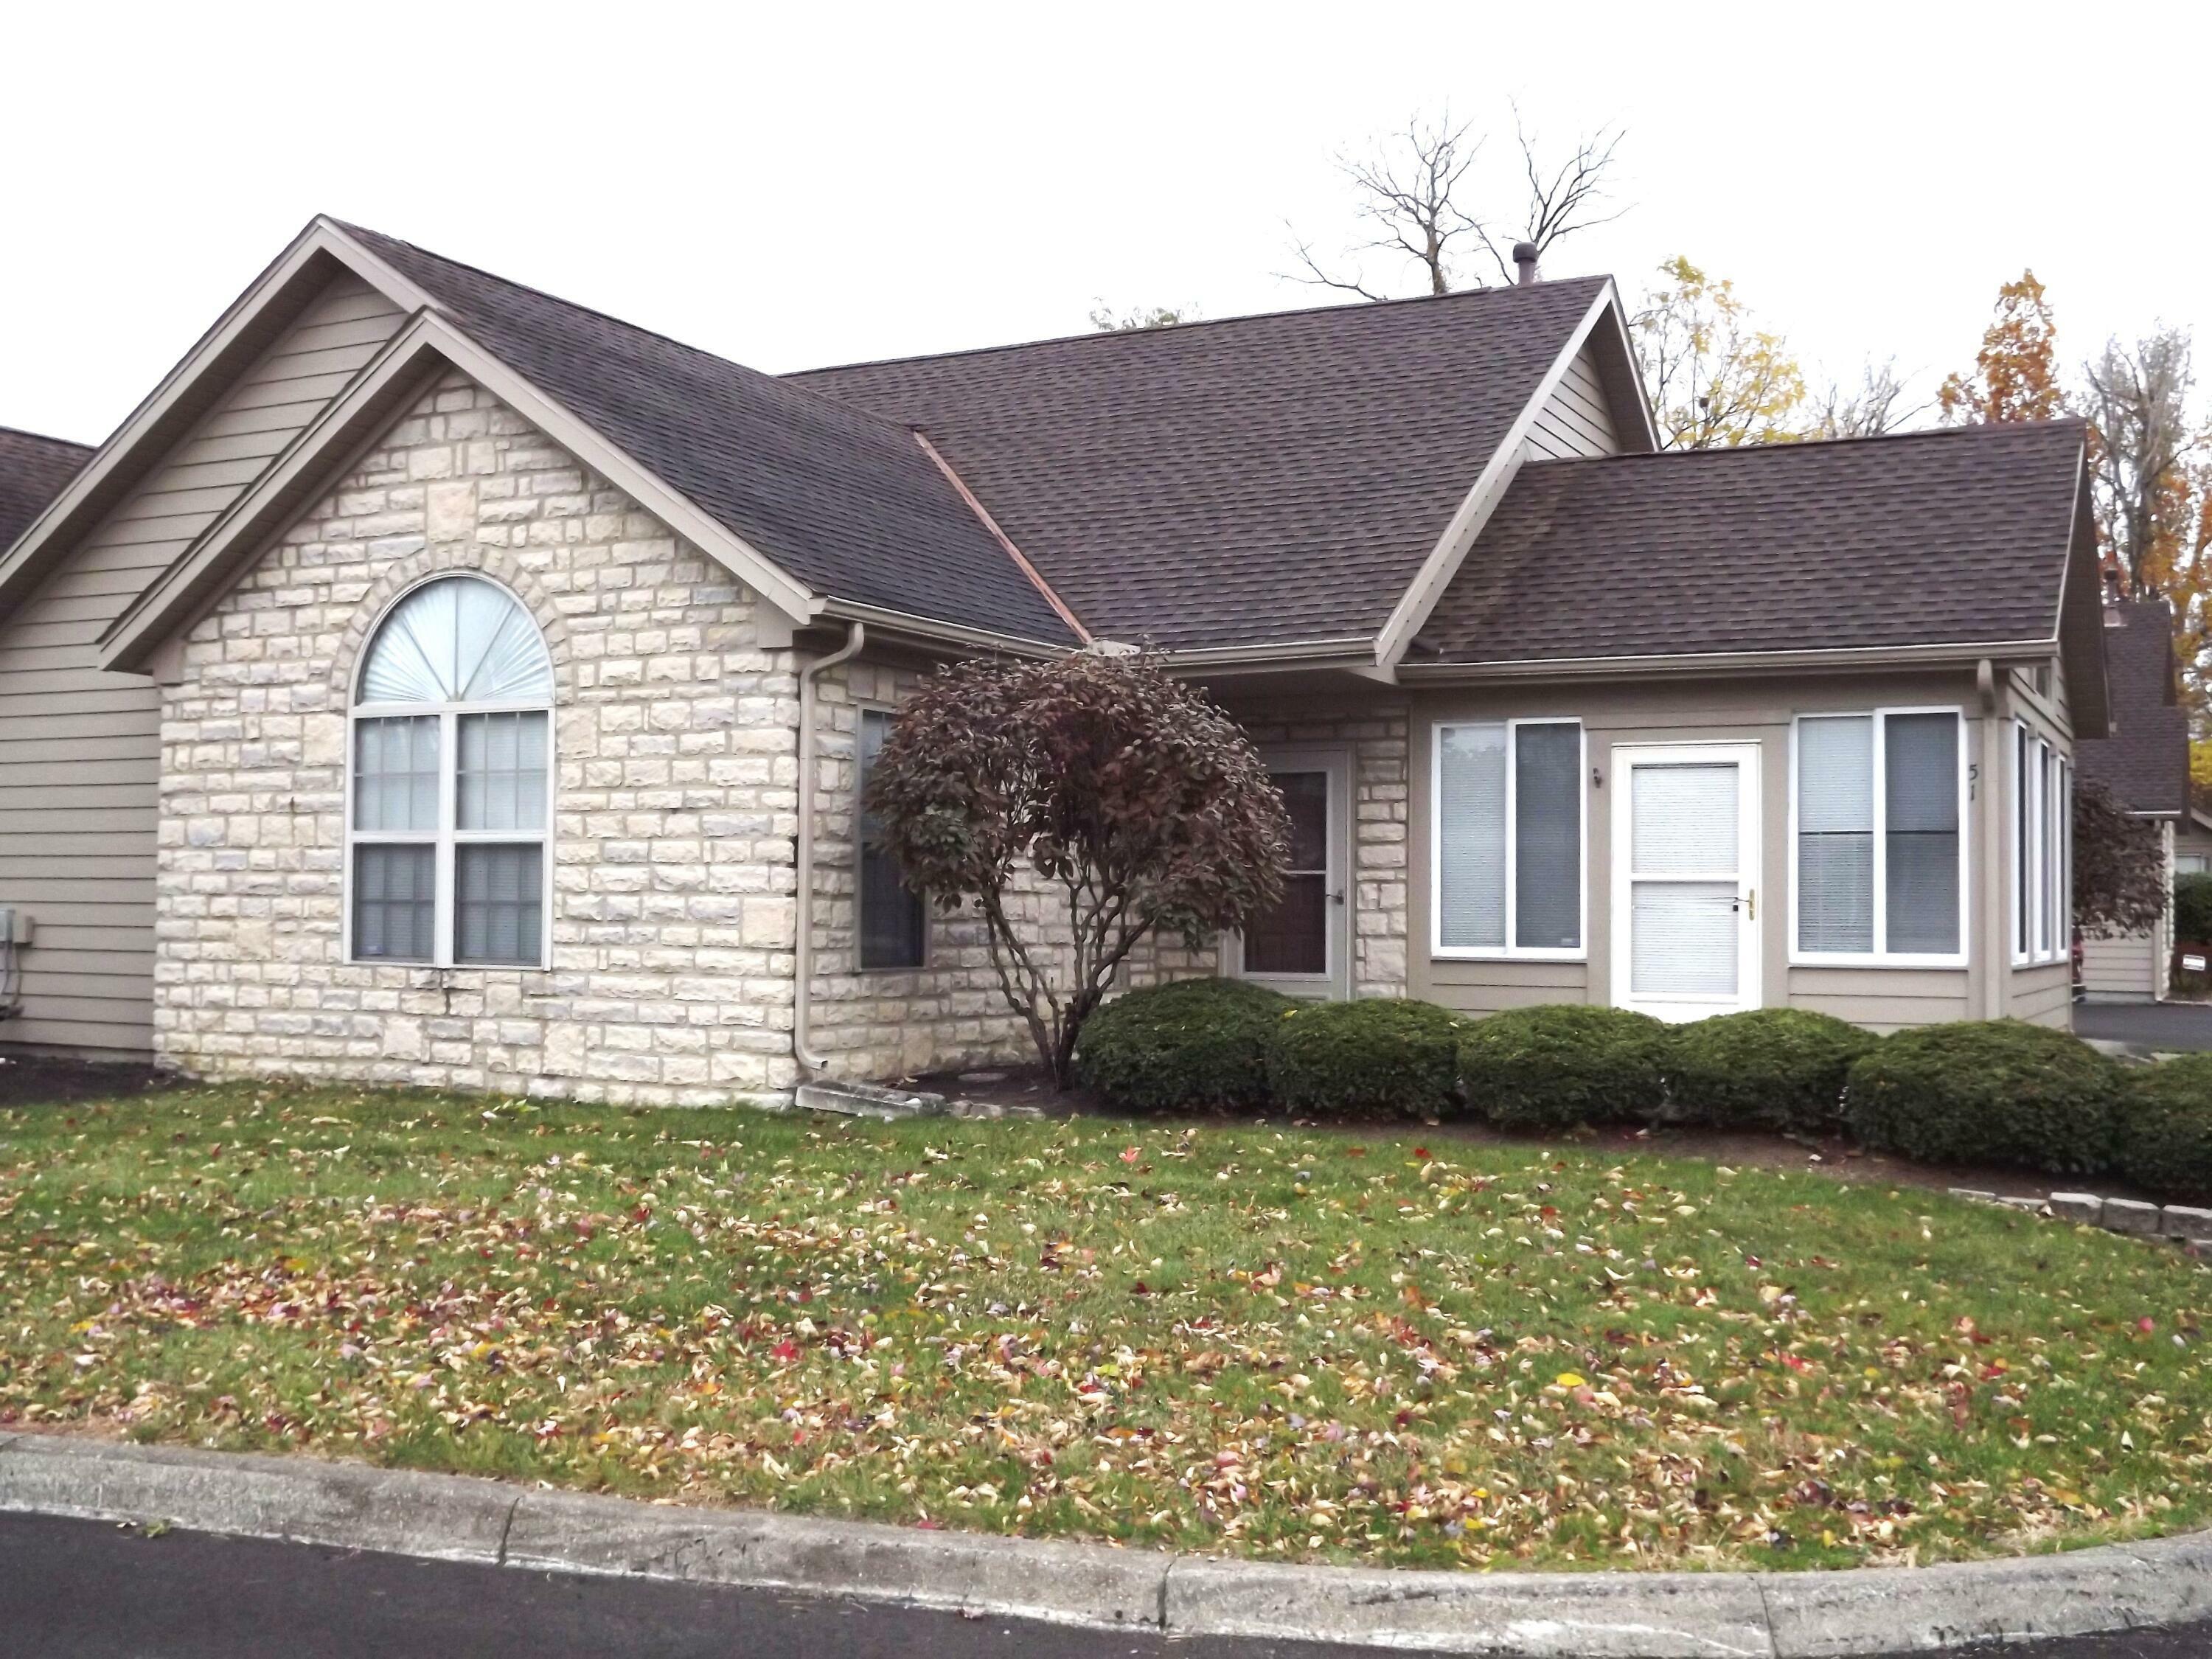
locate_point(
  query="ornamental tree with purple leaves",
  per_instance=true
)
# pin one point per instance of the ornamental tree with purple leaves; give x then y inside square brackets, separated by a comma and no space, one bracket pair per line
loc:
[1128,798]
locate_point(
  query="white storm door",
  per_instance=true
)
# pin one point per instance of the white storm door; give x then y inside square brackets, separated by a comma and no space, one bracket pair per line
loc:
[1303,945]
[1685,861]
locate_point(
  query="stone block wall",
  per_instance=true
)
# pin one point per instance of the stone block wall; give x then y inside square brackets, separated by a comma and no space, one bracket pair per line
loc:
[675,735]
[674,911]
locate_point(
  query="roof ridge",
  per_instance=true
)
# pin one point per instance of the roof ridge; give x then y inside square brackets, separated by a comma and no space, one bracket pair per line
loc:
[855,410]
[1800,446]
[1132,335]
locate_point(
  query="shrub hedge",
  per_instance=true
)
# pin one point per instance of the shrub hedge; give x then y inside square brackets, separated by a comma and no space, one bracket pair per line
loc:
[1380,1056]
[2162,1135]
[2192,909]
[1986,1092]
[1194,1042]
[1768,1068]
[1559,1067]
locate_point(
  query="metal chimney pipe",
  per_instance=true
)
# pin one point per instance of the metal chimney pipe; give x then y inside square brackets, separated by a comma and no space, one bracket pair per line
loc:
[1524,258]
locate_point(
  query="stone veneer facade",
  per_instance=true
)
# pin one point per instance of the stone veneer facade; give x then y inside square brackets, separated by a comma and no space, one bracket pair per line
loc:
[673,918]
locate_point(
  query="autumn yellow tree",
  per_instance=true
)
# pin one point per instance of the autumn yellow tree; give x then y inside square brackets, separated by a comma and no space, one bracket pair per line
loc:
[1715,378]
[2016,375]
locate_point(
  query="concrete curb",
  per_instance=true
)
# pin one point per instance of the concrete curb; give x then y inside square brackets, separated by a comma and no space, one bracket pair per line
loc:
[1596,1616]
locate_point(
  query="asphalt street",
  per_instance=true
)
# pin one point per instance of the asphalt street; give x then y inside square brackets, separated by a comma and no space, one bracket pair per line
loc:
[82,1590]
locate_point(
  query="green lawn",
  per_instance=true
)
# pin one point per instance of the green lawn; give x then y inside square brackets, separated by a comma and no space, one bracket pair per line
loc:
[1281,1344]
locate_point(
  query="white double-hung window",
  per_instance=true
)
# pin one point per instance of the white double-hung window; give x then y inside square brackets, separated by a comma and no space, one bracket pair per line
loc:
[1506,836]
[1877,855]
[2042,850]
[449,798]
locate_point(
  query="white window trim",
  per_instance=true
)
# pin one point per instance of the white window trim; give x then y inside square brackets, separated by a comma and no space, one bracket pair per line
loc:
[445,837]
[1508,951]
[1879,956]
[2040,767]
[861,711]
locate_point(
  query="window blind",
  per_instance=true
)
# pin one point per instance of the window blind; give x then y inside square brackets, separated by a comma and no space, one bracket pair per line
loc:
[1921,836]
[1547,831]
[1471,835]
[1835,834]
[499,902]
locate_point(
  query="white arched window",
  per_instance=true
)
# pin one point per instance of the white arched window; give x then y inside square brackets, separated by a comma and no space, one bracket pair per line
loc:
[450,798]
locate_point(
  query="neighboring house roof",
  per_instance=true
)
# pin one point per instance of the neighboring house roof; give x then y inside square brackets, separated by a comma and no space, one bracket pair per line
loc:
[845,500]
[1248,481]
[1940,538]
[33,471]
[2145,761]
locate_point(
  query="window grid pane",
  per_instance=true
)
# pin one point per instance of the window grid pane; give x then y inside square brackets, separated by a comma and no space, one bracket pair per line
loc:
[395,779]
[499,903]
[1471,835]
[894,924]
[394,906]
[1547,833]
[1920,775]
[500,783]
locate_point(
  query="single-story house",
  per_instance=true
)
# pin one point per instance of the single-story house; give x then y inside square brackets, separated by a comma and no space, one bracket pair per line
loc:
[2144,762]
[435,681]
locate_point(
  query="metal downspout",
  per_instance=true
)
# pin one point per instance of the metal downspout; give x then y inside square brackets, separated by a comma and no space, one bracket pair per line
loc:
[1992,883]
[809,1063]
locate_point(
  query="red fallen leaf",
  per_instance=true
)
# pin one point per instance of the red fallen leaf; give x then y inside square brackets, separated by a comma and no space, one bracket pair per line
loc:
[1130,1156]
[1139,1289]
[1795,1362]
[785,1350]
[1355,1151]
[641,1213]
[928,1526]
[2145,1324]
[1421,1152]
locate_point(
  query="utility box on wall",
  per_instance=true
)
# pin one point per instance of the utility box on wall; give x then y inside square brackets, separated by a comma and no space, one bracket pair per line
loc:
[15,925]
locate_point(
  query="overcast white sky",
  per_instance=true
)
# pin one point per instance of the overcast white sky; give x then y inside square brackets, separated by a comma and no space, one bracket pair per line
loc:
[793,189]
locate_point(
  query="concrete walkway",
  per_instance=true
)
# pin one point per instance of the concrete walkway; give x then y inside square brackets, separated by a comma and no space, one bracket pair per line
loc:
[2162,1027]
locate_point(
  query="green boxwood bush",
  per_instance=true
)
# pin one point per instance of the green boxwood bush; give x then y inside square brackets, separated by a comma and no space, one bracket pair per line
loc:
[1377,1057]
[1769,1068]
[2162,1137]
[1192,1042]
[1558,1067]
[1986,1092]
[2192,909]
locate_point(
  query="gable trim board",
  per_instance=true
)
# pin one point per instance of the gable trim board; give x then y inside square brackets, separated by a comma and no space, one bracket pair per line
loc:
[241,335]
[1496,476]
[377,394]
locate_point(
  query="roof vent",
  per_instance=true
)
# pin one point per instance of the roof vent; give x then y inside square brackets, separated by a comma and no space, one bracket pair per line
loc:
[1524,258]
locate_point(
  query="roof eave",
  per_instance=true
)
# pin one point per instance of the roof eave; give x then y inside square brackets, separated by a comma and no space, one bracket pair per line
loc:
[1961,654]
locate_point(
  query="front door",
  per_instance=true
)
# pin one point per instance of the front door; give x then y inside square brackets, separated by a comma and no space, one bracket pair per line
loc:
[1303,945]
[1686,865]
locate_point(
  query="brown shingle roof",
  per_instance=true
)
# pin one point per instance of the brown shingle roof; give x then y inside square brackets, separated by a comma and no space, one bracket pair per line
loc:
[843,499]
[2145,759]
[1254,480]
[33,471]
[1949,537]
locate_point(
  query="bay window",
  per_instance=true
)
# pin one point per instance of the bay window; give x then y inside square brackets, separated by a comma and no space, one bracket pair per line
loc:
[1506,839]
[2042,850]
[450,796]
[1877,855]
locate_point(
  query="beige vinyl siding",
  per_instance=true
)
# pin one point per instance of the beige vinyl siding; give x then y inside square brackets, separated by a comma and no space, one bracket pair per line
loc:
[1577,419]
[80,749]
[2124,969]
[1882,998]
[1477,986]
